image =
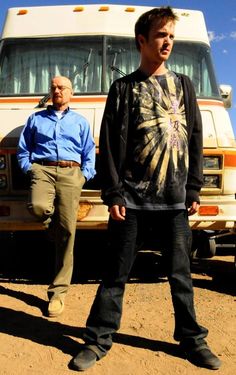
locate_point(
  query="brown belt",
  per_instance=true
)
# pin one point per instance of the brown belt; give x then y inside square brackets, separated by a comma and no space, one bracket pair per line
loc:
[60,163]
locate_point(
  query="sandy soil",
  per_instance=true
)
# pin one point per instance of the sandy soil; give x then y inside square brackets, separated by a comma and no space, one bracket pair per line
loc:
[31,343]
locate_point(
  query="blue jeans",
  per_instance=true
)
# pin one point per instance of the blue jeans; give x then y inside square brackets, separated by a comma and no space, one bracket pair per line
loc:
[105,314]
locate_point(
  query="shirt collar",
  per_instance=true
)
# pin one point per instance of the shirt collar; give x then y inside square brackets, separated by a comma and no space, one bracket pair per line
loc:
[51,109]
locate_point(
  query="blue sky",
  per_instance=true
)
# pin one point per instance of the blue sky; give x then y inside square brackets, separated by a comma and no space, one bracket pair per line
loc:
[220,16]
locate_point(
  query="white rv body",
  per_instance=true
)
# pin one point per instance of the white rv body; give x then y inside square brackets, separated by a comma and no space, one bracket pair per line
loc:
[32,26]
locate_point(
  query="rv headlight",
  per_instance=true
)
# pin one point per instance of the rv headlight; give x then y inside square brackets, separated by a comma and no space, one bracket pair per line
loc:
[3,181]
[211,181]
[211,162]
[2,162]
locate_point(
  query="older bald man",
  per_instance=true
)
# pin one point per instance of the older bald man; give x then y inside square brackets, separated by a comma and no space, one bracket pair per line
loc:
[57,150]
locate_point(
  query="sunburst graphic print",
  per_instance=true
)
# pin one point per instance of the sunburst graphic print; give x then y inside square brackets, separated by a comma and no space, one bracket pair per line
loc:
[160,145]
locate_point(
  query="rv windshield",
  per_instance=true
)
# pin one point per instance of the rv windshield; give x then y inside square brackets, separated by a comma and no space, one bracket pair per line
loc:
[92,63]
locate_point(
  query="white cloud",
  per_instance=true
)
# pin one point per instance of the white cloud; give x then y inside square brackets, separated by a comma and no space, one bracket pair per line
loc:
[225,51]
[234,19]
[215,38]
[233,34]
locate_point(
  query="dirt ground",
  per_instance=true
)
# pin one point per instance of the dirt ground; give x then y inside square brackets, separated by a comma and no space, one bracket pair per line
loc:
[31,343]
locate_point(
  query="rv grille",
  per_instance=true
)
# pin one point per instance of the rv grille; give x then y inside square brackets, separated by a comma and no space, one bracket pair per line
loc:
[19,181]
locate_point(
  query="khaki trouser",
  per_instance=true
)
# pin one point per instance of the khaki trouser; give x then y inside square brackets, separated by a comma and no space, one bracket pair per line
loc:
[54,200]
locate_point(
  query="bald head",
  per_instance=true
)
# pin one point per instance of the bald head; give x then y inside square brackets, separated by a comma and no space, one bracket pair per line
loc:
[61,92]
[61,80]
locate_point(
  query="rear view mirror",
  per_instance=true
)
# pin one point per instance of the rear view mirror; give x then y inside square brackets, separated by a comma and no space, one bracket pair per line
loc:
[226,94]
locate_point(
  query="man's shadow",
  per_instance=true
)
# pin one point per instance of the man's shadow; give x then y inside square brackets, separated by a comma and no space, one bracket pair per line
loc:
[51,333]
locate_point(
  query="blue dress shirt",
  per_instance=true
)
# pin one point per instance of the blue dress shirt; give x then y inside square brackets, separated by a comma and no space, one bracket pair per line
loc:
[46,137]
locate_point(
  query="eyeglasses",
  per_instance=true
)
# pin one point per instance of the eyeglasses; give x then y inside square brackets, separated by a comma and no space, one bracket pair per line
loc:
[60,88]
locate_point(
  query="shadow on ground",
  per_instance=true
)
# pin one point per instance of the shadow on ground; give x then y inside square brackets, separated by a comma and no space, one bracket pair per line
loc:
[28,257]
[61,336]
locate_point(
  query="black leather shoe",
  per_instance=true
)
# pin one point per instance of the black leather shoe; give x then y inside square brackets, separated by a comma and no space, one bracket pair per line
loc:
[85,359]
[202,356]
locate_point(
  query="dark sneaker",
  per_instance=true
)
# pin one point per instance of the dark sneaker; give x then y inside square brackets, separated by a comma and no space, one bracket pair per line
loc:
[84,360]
[202,356]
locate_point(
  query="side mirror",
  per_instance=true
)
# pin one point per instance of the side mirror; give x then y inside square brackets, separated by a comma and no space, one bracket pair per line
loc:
[226,94]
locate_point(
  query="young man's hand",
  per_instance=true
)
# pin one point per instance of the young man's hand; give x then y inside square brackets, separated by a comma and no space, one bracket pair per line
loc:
[193,208]
[117,212]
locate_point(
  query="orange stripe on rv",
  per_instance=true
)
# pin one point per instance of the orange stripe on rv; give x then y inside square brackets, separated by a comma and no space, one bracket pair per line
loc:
[19,100]
[210,102]
[7,151]
[82,99]
[89,99]
[85,99]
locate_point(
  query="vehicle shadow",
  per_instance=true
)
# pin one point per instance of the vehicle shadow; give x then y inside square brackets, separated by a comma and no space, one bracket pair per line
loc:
[221,275]
[29,258]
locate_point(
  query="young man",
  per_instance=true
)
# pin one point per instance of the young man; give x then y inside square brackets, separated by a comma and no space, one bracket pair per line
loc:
[151,172]
[57,149]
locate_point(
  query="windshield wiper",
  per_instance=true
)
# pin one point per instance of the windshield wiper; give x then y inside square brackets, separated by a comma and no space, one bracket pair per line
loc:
[84,68]
[113,64]
[86,65]
[114,68]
